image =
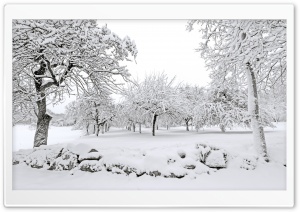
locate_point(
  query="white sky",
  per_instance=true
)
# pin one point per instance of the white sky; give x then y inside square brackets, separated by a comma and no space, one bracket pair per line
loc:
[163,46]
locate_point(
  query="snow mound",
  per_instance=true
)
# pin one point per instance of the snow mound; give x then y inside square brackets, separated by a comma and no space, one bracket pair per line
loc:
[80,148]
[244,161]
[169,162]
[216,159]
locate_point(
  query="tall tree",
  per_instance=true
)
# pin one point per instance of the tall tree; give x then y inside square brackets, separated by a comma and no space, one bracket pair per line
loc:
[251,49]
[52,58]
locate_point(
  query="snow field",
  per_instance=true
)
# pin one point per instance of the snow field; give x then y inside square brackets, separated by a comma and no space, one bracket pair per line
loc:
[121,159]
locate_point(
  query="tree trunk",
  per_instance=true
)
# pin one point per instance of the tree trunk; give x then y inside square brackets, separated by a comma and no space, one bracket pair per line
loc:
[153,124]
[167,127]
[187,125]
[102,128]
[97,129]
[87,128]
[156,126]
[222,127]
[133,127]
[253,109]
[94,131]
[106,127]
[140,127]
[41,134]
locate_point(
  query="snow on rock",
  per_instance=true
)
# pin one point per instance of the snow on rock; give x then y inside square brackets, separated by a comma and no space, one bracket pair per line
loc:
[43,156]
[21,155]
[90,156]
[216,159]
[80,148]
[167,162]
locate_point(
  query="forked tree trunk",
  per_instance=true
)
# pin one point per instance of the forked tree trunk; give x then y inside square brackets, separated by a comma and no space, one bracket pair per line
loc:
[253,109]
[42,127]
[153,124]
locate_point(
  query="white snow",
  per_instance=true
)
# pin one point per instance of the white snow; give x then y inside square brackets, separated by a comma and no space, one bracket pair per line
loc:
[215,159]
[163,153]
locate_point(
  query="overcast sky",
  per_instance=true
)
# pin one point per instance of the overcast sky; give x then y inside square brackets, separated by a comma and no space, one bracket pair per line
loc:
[163,46]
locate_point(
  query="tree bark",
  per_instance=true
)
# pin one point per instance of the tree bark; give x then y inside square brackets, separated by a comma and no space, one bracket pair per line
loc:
[140,127]
[253,109]
[153,124]
[41,134]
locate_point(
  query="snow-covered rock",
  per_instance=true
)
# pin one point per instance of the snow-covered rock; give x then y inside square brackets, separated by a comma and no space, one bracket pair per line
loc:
[90,156]
[216,159]
[178,162]
[80,148]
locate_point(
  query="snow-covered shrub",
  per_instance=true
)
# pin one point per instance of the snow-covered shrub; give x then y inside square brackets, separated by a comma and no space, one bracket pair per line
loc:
[67,161]
[90,166]
[249,163]
[43,156]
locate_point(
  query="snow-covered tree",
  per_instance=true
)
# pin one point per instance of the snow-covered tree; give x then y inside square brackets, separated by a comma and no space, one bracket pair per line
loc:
[251,49]
[191,97]
[54,58]
[92,111]
[155,95]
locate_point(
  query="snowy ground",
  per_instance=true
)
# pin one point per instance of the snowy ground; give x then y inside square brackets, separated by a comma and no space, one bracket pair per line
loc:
[117,142]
